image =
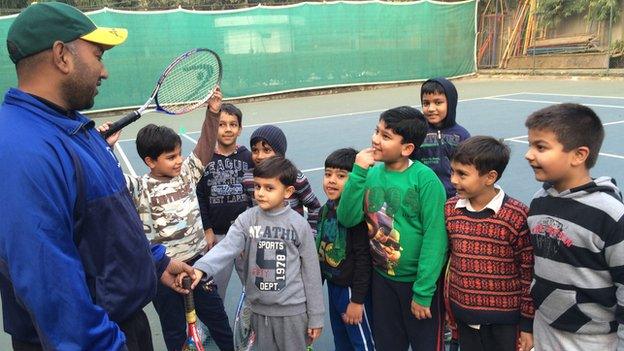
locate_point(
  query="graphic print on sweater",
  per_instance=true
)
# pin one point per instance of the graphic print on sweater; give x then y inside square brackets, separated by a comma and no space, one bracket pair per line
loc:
[225,181]
[549,236]
[271,256]
[381,207]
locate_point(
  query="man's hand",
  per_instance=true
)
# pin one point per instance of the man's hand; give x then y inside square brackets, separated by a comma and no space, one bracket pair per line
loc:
[353,315]
[173,270]
[313,334]
[111,140]
[365,158]
[210,238]
[526,341]
[420,312]
[214,103]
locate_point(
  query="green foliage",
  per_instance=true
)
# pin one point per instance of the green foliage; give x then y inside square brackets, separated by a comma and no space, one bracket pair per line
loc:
[551,12]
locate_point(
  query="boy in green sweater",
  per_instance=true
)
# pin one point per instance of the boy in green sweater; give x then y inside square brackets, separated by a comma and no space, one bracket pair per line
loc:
[402,202]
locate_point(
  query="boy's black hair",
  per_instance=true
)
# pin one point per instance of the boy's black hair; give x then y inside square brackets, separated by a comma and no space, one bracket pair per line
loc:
[341,159]
[234,111]
[574,126]
[431,87]
[153,140]
[484,153]
[407,122]
[277,167]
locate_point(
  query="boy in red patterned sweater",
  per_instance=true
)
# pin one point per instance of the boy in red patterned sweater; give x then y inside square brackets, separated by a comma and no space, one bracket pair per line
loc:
[491,257]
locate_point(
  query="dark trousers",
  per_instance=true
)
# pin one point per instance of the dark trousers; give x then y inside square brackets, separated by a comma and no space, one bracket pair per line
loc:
[395,327]
[209,307]
[493,337]
[136,328]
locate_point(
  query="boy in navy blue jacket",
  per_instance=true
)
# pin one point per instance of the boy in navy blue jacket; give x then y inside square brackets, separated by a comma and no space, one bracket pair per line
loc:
[439,102]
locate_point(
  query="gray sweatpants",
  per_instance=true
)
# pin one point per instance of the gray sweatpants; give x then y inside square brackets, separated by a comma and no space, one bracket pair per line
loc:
[280,333]
[547,338]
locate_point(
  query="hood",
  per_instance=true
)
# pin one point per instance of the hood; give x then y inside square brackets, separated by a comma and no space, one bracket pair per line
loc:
[605,185]
[451,100]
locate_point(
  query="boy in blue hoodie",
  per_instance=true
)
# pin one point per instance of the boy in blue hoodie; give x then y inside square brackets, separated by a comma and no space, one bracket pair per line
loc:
[439,102]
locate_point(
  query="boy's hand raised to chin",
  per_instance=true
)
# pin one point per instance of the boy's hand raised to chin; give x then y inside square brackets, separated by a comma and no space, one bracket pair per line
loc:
[365,158]
[214,103]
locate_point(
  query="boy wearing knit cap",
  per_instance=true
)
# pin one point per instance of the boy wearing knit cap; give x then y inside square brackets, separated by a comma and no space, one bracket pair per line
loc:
[268,141]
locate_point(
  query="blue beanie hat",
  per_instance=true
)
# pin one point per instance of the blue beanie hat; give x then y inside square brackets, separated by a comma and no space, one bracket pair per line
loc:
[273,136]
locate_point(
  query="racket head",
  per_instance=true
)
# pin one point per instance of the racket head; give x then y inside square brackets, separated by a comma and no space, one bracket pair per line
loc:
[188,82]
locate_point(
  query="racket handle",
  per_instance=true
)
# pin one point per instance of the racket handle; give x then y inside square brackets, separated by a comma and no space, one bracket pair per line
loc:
[129,118]
[189,304]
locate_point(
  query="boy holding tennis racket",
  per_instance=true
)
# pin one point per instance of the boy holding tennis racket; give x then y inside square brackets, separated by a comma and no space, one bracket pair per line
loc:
[167,204]
[281,272]
[402,202]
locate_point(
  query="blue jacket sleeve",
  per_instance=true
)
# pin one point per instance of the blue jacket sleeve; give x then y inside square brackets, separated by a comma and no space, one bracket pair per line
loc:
[38,254]
[161,260]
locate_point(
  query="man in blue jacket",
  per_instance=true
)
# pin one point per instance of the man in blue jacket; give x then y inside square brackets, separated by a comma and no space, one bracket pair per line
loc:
[75,266]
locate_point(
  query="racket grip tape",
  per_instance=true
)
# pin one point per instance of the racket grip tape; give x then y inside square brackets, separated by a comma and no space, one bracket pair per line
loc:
[189,303]
[127,119]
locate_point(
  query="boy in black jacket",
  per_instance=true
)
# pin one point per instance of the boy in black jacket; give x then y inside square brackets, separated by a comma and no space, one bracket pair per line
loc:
[220,192]
[345,261]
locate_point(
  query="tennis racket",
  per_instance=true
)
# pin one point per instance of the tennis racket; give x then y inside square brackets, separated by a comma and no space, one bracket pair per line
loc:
[186,84]
[244,336]
[193,339]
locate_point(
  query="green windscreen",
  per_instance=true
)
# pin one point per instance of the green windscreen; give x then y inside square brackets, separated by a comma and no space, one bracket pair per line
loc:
[273,49]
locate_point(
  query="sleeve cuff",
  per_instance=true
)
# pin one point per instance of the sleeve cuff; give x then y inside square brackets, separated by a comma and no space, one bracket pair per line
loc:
[315,321]
[424,301]
[526,325]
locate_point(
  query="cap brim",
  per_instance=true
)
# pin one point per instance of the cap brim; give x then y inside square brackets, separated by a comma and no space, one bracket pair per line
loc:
[107,36]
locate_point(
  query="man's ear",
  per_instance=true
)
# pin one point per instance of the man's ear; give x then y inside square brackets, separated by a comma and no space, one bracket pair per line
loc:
[407,149]
[289,191]
[61,57]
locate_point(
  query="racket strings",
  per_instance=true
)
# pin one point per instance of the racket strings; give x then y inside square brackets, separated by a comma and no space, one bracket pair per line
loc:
[189,82]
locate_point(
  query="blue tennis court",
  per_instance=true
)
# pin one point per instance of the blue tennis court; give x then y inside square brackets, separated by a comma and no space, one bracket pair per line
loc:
[312,137]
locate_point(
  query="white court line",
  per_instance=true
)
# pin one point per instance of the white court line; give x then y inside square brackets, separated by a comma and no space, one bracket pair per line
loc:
[346,114]
[189,138]
[575,95]
[125,159]
[601,153]
[552,102]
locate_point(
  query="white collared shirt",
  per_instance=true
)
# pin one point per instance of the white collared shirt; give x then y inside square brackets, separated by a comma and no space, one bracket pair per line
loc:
[494,204]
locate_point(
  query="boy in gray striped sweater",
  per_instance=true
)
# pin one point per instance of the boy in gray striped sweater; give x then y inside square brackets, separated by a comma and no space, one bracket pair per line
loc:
[577,232]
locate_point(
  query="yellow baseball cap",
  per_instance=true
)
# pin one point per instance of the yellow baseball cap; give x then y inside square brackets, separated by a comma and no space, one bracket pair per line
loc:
[41,24]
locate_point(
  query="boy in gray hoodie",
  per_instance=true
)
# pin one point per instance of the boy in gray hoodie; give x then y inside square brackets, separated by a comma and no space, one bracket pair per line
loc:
[281,271]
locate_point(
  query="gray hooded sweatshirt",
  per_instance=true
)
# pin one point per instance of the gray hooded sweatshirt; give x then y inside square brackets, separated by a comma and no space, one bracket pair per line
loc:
[282,274]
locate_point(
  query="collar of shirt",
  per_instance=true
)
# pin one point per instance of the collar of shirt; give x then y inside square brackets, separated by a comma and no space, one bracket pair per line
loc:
[494,204]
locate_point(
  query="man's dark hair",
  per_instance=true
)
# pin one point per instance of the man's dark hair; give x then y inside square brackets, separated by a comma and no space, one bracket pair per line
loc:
[277,167]
[153,141]
[432,87]
[341,159]
[484,153]
[234,111]
[574,126]
[407,122]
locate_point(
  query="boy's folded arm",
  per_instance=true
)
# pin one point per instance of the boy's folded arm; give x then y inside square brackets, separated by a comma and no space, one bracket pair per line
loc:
[228,249]
[350,209]
[308,199]
[434,242]
[363,266]
[311,276]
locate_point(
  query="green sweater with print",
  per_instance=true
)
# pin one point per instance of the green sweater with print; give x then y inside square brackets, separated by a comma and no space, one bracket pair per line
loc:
[405,216]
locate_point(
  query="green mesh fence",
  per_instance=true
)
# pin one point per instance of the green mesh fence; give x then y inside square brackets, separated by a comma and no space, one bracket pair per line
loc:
[274,49]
